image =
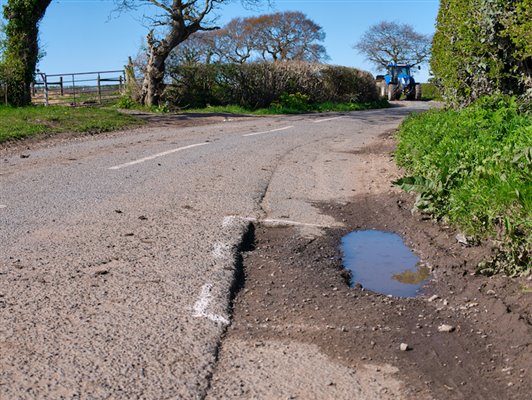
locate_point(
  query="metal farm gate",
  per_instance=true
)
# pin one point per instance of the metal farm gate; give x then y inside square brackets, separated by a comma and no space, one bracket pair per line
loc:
[84,88]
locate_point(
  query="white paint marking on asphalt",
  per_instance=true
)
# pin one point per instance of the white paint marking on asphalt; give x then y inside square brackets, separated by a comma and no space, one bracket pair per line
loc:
[164,153]
[3,206]
[220,250]
[270,131]
[285,222]
[230,220]
[200,308]
[318,121]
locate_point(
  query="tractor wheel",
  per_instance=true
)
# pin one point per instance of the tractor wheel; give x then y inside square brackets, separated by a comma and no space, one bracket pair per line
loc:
[418,91]
[411,95]
[381,85]
[391,92]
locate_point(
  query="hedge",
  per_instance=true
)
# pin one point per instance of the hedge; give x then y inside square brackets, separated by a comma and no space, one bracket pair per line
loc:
[482,47]
[258,85]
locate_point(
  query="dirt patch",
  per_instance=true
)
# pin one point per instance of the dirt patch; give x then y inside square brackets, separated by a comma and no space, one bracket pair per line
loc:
[468,336]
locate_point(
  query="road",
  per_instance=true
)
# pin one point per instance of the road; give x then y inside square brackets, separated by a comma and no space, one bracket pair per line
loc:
[118,252]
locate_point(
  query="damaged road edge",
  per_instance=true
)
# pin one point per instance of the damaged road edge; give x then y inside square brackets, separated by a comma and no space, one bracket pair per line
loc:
[228,261]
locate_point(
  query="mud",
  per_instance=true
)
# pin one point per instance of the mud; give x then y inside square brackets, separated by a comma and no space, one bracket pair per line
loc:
[296,293]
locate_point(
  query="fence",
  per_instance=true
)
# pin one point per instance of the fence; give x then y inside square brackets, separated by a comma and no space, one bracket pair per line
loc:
[83,88]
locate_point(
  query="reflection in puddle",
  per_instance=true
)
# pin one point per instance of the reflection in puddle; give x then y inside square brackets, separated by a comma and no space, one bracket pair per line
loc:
[410,277]
[381,262]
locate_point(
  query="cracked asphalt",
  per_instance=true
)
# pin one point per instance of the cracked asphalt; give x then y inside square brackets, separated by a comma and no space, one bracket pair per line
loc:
[118,252]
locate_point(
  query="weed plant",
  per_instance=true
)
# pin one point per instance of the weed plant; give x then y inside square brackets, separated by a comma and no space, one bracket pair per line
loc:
[473,168]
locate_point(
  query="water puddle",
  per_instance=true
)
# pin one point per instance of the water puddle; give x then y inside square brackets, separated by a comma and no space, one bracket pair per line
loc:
[382,263]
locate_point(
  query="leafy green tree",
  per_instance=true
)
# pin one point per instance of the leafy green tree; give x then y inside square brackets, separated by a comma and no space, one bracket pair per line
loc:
[21,47]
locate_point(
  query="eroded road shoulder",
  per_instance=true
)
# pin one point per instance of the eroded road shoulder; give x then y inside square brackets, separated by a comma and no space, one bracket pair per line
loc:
[299,330]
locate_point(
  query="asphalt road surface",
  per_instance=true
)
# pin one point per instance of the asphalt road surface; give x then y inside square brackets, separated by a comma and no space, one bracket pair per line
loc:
[117,253]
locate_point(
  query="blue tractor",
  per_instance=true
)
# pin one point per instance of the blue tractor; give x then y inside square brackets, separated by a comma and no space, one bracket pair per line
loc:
[399,81]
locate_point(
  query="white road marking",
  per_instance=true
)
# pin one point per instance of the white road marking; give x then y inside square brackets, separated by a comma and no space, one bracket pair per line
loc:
[164,153]
[3,206]
[200,308]
[220,250]
[318,121]
[270,131]
[285,222]
[228,221]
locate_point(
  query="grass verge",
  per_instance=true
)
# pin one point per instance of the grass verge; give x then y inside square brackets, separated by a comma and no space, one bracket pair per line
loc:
[473,168]
[277,108]
[17,123]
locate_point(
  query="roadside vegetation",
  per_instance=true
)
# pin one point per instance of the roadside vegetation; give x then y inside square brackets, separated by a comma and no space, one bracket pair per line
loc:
[265,88]
[430,92]
[289,104]
[16,123]
[473,168]
[471,164]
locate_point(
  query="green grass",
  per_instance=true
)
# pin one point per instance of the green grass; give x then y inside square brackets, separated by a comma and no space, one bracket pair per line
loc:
[429,91]
[473,168]
[296,107]
[285,109]
[17,123]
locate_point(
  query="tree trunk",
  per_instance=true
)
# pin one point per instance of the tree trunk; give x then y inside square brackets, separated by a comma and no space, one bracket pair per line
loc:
[158,52]
[153,84]
[22,53]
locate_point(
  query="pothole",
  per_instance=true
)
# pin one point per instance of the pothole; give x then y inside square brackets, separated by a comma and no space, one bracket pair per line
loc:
[382,263]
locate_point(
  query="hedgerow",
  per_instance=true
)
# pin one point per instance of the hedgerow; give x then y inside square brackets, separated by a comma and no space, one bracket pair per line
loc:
[259,85]
[473,168]
[483,47]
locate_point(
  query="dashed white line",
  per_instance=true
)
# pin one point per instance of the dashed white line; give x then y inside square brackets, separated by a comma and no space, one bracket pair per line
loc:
[3,206]
[164,153]
[318,121]
[270,131]
[200,308]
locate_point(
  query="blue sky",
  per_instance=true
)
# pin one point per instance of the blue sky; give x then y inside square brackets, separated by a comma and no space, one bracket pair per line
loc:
[84,35]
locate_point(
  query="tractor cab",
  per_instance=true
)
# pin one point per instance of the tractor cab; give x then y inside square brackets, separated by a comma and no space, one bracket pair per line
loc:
[397,72]
[399,81]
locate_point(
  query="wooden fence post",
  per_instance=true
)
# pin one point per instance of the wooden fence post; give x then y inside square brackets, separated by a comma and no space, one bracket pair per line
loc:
[61,85]
[99,90]
[45,79]
[74,88]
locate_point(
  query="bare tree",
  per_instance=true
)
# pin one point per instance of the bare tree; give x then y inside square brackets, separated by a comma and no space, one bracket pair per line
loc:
[197,49]
[175,22]
[288,36]
[236,42]
[390,42]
